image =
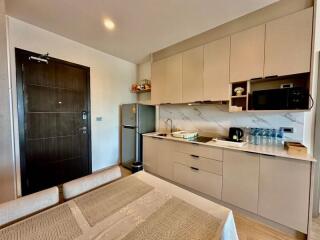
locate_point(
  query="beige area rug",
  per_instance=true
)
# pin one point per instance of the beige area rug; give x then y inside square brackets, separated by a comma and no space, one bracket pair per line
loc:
[176,220]
[103,202]
[56,223]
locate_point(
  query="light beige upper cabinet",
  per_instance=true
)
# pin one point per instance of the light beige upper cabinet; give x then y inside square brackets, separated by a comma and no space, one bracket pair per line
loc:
[192,75]
[241,179]
[284,191]
[247,54]
[288,44]
[173,82]
[158,78]
[216,70]
[167,80]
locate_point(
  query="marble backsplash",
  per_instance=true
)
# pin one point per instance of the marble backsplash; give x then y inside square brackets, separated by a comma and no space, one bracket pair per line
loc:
[214,119]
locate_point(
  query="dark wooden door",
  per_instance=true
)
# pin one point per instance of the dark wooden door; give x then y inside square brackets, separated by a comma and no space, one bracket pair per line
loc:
[54,121]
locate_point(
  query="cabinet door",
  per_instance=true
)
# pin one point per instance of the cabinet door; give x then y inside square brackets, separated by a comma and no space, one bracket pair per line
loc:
[284,191]
[241,179]
[166,156]
[150,154]
[198,180]
[216,70]
[158,79]
[247,54]
[192,75]
[173,82]
[288,44]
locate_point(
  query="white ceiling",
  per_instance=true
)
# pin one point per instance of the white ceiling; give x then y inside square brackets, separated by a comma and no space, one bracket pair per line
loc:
[142,26]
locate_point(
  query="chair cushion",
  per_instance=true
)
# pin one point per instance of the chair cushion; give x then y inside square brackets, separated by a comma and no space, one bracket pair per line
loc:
[24,206]
[81,185]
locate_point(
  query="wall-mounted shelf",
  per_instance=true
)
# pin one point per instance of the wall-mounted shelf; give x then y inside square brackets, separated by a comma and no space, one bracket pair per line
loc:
[142,86]
[242,96]
[244,101]
[238,103]
[142,91]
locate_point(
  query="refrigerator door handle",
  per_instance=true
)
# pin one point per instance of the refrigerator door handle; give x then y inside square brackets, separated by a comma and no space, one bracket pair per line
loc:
[130,127]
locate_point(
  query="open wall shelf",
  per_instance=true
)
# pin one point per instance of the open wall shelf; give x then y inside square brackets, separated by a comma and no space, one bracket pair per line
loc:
[243,102]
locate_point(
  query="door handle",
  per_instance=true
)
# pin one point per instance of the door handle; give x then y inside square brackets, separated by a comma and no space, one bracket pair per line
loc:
[83,129]
[194,156]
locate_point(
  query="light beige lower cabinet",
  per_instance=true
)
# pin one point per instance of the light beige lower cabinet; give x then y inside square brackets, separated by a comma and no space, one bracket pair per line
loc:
[197,179]
[158,156]
[150,154]
[284,191]
[241,179]
[165,156]
[272,187]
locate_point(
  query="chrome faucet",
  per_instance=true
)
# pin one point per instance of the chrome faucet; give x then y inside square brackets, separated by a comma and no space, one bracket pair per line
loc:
[169,119]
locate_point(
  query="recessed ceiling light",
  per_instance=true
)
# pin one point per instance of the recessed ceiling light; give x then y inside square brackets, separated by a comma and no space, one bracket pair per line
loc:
[109,24]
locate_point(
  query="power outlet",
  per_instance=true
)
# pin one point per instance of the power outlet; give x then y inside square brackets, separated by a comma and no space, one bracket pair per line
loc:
[287,129]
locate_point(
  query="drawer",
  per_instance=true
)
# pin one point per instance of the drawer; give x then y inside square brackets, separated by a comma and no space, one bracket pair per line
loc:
[202,151]
[205,164]
[199,180]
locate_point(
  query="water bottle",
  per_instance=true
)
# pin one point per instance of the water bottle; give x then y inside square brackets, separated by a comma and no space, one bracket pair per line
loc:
[269,136]
[252,135]
[257,136]
[263,135]
[280,136]
[274,136]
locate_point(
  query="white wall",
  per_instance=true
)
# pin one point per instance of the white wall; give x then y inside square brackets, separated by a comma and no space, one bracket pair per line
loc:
[111,79]
[7,179]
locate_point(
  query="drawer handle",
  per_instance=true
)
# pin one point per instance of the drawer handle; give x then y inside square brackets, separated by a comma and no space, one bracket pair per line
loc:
[194,156]
[194,168]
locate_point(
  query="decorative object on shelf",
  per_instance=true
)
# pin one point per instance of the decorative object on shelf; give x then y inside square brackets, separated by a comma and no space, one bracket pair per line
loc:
[239,91]
[141,86]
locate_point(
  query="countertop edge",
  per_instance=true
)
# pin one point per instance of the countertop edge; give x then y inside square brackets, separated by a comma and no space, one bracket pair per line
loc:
[268,151]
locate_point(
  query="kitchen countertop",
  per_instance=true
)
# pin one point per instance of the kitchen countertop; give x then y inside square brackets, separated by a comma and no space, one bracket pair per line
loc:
[273,150]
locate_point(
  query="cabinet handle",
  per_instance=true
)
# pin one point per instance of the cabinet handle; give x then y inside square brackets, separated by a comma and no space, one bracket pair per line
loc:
[194,156]
[268,155]
[194,168]
[257,78]
[272,76]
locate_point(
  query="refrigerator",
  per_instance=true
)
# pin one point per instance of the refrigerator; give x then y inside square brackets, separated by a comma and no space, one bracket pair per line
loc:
[136,119]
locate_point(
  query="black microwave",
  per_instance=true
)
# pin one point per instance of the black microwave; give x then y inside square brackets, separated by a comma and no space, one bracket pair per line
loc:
[280,99]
